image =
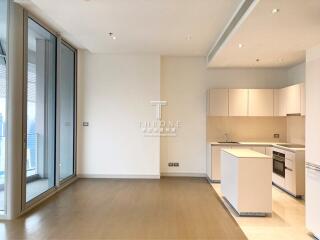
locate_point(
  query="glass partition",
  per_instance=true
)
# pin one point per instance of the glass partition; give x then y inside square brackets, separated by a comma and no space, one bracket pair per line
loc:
[3,99]
[41,82]
[66,111]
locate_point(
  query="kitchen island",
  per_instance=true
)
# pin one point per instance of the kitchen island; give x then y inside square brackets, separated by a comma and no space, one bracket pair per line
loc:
[246,181]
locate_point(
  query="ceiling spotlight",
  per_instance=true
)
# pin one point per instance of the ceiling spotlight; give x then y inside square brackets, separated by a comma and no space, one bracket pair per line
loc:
[240,45]
[275,10]
[111,35]
[257,59]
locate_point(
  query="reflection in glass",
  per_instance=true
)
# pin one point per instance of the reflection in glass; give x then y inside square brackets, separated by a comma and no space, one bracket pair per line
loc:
[40,162]
[67,86]
[3,99]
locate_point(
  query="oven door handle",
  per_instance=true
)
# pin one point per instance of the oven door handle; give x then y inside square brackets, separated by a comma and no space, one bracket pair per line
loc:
[289,169]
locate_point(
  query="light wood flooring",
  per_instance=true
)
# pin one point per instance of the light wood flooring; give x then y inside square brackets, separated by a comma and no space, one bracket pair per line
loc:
[170,208]
[286,223]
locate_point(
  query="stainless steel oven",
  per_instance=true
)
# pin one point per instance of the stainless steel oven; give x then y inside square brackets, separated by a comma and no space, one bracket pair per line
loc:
[279,167]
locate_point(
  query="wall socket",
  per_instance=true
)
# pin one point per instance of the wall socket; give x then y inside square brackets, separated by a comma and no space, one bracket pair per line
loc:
[173,164]
[276,135]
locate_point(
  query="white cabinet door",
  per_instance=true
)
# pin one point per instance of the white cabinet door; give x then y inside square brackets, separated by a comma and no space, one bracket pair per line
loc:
[238,102]
[283,92]
[293,99]
[313,111]
[276,102]
[260,102]
[312,201]
[288,181]
[303,99]
[219,102]
[216,162]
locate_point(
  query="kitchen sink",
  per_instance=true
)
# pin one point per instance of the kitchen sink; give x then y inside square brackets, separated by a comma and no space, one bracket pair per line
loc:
[230,142]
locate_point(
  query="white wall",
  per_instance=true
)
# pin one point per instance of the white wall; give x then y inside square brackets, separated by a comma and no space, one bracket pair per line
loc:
[184,81]
[114,94]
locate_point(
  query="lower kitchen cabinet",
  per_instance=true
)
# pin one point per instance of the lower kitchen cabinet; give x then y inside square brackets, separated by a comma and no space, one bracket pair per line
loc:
[293,180]
[214,158]
[289,181]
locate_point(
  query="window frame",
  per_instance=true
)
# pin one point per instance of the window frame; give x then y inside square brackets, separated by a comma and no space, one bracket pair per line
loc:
[58,185]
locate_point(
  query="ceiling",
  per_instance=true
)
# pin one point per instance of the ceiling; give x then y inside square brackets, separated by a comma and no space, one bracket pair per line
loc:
[277,40]
[165,27]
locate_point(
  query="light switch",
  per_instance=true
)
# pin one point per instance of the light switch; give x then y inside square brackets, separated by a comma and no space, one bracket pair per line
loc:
[85,124]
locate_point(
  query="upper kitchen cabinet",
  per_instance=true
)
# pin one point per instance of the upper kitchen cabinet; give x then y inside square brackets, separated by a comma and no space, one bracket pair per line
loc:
[289,100]
[282,103]
[218,102]
[260,102]
[293,99]
[303,99]
[238,102]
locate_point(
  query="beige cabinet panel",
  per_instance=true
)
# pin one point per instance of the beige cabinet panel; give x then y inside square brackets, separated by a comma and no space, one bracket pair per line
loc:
[289,181]
[260,102]
[276,102]
[218,102]
[303,99]
[238,102]
[283,93]
[293,99]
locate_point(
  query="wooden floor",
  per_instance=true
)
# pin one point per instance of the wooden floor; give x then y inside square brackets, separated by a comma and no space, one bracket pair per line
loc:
[287,221]
[170,208]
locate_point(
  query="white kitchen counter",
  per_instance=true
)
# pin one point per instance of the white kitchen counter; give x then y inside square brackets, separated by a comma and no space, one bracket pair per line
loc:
[246,181]
[245,153]
[252,144]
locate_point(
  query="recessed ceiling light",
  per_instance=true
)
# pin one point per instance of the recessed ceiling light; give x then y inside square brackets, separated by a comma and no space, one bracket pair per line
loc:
[275,10]
[112,36]
[257,59]
[240,45]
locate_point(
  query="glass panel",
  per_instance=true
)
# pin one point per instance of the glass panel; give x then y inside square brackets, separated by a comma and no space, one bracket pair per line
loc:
[67,87]
[40,161]
[3,99]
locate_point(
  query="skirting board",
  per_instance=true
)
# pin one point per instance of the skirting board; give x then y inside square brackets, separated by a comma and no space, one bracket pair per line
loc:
[178,174]
[119,176]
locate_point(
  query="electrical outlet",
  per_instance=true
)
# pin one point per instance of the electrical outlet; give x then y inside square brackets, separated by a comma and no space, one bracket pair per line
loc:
[276,135]
[176,164]
[170,164]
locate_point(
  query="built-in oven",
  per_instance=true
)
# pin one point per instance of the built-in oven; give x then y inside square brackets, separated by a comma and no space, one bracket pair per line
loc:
[279,165]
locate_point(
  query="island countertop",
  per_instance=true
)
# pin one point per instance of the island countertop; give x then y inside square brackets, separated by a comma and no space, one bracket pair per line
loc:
[245,153]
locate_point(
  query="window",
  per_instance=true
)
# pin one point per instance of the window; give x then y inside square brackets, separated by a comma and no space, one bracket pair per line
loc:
[67,109]
[41,98]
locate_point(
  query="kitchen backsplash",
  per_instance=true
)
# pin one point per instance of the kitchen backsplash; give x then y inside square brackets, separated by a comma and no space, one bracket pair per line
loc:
[250,128]
[296,129]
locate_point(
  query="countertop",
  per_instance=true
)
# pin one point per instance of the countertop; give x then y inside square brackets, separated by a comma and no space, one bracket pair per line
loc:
[245,153]
[267,144]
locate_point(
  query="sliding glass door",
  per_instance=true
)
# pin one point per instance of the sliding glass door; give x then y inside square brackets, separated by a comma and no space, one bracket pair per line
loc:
[3,99]
[40,111]
[67,111]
